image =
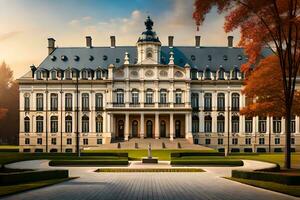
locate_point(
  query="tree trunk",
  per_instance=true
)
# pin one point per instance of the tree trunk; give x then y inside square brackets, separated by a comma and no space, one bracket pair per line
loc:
[287,162]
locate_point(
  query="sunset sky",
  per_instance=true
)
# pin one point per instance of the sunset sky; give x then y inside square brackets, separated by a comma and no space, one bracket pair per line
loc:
[26,25]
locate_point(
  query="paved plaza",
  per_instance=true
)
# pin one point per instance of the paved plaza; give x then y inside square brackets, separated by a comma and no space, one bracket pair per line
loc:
[91,185]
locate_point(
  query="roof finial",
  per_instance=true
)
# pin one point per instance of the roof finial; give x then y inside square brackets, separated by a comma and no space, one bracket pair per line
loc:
[126,59]
[171,60]
[148,23]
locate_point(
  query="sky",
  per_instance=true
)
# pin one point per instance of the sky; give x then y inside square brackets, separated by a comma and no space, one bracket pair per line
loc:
[25,26]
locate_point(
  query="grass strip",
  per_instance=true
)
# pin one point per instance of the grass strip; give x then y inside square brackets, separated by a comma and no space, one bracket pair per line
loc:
[112,170]
[13,189]
[293,190]
[217,162]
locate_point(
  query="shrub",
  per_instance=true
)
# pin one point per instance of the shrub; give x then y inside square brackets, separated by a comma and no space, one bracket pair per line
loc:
[149,170]
[248,150]
[31,176]
[9,150]
[181,154]
[286,179]
[208,162]
[87,162]
[116,154]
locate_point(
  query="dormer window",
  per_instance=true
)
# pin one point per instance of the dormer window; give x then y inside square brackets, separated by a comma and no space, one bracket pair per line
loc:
[234,75]
[38,75]
[193,57]
[225,57]
[240,57]
[209,58]
[98,74]
[221,74]
[68,74]
[53,75]
[84,74]
[207,74]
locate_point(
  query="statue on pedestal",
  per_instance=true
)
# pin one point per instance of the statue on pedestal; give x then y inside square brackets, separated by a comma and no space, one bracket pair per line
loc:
[149,151]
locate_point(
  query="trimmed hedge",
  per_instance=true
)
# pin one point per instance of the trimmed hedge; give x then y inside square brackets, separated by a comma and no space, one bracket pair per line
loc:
[117,154]
[208,162]
[31,176]
[9,150]
[181,154]
[286,179]
[112,170]
[87,162]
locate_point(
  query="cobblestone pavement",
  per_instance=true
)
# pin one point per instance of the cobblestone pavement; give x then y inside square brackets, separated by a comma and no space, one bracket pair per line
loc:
[91,185]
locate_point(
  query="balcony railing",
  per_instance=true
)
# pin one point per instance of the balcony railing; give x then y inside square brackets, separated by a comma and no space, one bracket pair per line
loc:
[235,109]
[221,108]
[134,105]
[99,108]
[163,104]
[68,108]
[207,109]
[149,105]
[118,104]
[179,105]
[85,109]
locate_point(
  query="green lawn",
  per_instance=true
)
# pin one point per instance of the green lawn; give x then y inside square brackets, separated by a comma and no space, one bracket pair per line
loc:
[293,190]
[9,147]
[12,189]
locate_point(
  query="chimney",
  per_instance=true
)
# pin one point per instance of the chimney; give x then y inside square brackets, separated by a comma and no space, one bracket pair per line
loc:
[230,41]
[88,40]
[197,41]
[51,45]
[171,41]
[112,41]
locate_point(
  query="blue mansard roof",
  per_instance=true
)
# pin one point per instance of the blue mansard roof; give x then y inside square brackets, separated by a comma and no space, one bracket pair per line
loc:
[198,58]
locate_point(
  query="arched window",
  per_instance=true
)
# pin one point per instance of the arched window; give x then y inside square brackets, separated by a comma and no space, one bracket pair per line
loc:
[149,96]
[99,124]
[135,96]
[39,124]
[54,102]
[163,96]
[26,125]
[195,100]
[221,102]
[178,96]
[85,124]
[220,124]
[68,102]
[99,101]
[235,102]
[134,128]
[39,102]
[207,101]
[207,124]
[149,128]
[68,124]
[85,101]
[207,75]
[235,124]
[162,128]
[54,124]
[120,96]
[221,73]
[195,124]
[177,128]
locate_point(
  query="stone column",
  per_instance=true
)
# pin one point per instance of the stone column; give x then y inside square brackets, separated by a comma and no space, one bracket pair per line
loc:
[108,123]
[156,132]
[297,131]
[142,134]
[126,127]
[188,132]
[171,126]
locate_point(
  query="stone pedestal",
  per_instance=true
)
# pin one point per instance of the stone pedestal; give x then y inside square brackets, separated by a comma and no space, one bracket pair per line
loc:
[153,160]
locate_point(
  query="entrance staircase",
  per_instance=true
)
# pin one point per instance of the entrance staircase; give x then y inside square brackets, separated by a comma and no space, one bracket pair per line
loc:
[136,143]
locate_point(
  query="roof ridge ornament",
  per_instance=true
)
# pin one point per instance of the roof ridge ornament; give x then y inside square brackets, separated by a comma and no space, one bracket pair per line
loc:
[171,60]
[126,59]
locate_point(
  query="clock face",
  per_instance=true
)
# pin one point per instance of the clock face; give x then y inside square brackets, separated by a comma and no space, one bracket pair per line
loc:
[149,73]
[134,73]
[178,74]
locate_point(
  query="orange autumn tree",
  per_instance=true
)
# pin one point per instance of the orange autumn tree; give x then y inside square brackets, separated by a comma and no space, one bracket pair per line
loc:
[264,86]
[271,23]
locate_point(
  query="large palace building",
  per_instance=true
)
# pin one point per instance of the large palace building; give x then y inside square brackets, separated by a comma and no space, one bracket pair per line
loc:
[91,96]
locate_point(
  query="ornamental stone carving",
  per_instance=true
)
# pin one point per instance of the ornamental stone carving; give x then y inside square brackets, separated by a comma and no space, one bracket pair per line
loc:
[163,73]
[178,74]
[149,73]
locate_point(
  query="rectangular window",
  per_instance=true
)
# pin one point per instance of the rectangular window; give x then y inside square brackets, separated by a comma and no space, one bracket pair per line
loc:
[99,102]
[292,140]
[235,141]
[39,102]
[99,141]
[149,97]
[26,103]
[120,97]
[293,124]
[53,141]
[26,125]
[276,124]
[39,124]
[85,141]
[195,100]
[261,141]
[54,124]
[277,140]
[248,141]
[27,141]
[54,102]
[220,125]
[248,125]
[68,124]
[68,102]
[207,125]
[207,102]
[262,124]
[235,124]
[207,141]
[163,97]
[69,141]
[221,102]
[39,141]
[178,97]
[135,97]
[220,141]
[85,102]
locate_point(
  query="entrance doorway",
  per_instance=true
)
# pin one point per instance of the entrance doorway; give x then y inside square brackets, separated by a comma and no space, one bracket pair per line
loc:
[149,129]
[134,128]
[162,128]
[177,128]
[121,129]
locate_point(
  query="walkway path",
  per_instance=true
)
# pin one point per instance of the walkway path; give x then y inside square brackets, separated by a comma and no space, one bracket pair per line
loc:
[91,185]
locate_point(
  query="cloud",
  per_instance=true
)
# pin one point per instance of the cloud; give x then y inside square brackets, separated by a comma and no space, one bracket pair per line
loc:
[9,35]
[80,21]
